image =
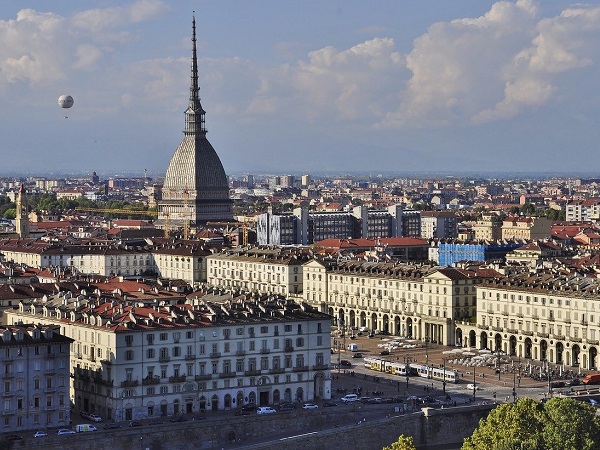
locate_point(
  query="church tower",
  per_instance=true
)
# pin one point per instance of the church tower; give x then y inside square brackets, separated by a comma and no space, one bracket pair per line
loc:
[195,189]
[22,219]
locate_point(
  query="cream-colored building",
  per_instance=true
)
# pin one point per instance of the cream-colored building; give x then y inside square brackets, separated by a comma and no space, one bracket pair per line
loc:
[539,316]
[526,228]
[417,302]
[276,271]
[488,228]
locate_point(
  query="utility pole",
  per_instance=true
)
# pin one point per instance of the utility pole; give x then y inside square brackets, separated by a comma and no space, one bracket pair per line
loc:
[474,386]
[514,392]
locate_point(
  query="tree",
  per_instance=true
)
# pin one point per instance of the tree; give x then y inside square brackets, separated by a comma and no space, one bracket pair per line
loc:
[10,213]
[403,443]
[559,424]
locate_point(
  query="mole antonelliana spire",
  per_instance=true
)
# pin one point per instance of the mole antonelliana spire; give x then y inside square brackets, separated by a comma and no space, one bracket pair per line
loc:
[195,189]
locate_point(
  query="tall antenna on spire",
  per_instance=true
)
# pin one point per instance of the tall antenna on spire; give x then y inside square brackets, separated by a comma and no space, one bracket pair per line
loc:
[194,120]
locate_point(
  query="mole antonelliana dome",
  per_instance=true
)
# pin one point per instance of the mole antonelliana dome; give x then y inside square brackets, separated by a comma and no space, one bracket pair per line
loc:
[195,187]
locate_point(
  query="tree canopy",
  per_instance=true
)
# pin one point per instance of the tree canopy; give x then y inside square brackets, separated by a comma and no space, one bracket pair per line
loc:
[559,424]
[403,443]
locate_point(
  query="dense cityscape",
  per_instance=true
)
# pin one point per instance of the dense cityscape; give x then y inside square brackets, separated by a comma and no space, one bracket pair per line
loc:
[373,310]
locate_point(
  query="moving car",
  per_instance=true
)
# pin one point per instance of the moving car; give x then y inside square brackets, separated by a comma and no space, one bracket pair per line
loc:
[14,437]
[329,404]
[112,425]
[472,386]
[265,410]
[64,431]
[94,418]
[85,427]
[40,434]
[309,406]
[349,398]
[135,423]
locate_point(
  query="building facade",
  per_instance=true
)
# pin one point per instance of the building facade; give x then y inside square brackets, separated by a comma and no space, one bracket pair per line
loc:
[35,377]
[215,352]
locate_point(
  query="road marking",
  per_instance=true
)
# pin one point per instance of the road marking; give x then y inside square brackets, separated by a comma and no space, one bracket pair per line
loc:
[298,436]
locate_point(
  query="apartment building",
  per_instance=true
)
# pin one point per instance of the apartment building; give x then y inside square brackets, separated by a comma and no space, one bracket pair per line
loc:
[526,228]
[538,315]
[412,301]
[35,377]
[217,351]
[438,224]
[258,269]
[583,210]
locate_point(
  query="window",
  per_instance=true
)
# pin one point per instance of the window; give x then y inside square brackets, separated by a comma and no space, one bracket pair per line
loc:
[129,355]
[150,339]
[288,328]
[128,340]
[164,336]
[264,330]
[319,340]
[300,342]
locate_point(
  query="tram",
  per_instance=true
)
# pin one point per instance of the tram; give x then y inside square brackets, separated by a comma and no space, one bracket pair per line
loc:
[398,368]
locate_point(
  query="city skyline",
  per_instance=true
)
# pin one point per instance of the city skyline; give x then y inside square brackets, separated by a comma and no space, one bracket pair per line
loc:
[470,86]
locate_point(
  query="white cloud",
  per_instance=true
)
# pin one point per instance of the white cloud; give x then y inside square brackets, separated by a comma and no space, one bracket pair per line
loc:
[95,20]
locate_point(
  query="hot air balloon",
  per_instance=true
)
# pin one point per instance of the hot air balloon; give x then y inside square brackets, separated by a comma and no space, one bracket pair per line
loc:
[65,101]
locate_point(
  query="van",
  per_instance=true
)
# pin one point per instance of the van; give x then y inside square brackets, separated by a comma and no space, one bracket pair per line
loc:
[592,378]
[353,347]
[85,427]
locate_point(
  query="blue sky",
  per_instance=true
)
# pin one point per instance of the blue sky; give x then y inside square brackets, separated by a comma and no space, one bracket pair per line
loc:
[303,86]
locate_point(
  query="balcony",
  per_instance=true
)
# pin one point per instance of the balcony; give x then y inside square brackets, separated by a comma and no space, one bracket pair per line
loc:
[151,380]
[527,333]
[177,379]
[129,383]
[227,375]
[50,390]
[50,407]
[106,361]
[251,373]
[215,355]
[300,369]
[288,349]
[103,382]
[78,355]
[499,329]
[8,375]
[190,357]
[265,351]
[50,372]
[240,353]
[512,331]
[277,370]
[9,412]
[592,342]
[204,377]
[164,358]
[543,335]
[558,337]
[551,319]
[8,394]
[50,355]
[320,367]
[575,339]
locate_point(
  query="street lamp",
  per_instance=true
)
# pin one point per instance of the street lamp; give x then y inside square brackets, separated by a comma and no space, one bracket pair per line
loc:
[444,379]
[514,391]
[407,361]
[474,387]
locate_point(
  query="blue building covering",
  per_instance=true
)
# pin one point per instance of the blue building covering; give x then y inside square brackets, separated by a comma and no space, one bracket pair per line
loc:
[450,253]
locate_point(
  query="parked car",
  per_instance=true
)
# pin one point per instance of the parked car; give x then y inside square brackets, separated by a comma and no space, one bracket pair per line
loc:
[40,434]
[135,423]
[64,431]
[83,427]
[287,407]
[178,419]
[112,426]
[310,406]
[245,410]
[14,437]
[349,398]
[265,410]
[345,363]
[384,352]
[472,387]
[357,355]
[363,329]
[200,417]
[375,400]
[94,418]
[329,404]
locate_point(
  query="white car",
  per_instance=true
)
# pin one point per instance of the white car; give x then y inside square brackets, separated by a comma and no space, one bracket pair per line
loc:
[471,387]
[40,434]
[64,431]
[265,410]
[94,418]
[348,398]
[309,406]
[363,329]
